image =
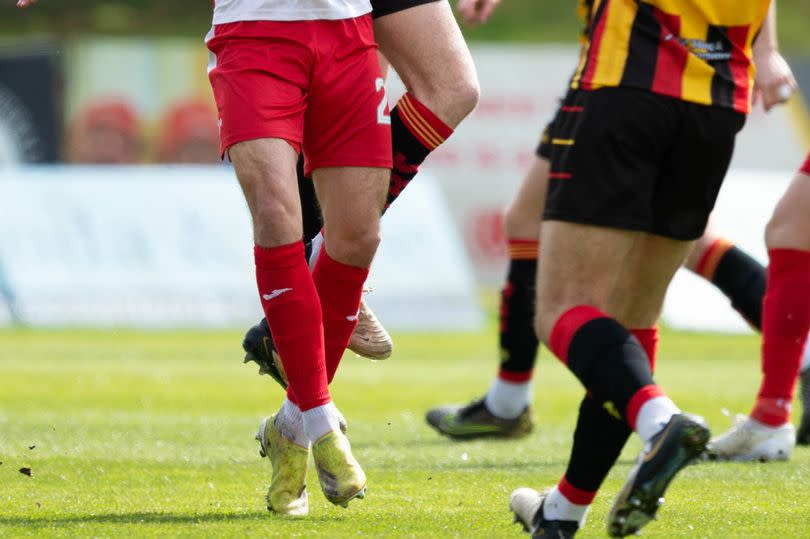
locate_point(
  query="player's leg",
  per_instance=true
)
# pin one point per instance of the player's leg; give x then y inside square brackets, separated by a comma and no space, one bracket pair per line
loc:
[767,433]
[347,152]
[424,45]
[786,308]
[587,286]
[505,409]
[261,130]
[735,273]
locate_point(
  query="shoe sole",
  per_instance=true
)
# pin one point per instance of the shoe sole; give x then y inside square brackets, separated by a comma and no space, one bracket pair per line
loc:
[637,505]
[264,368]
[359,496]
[768,450]
[511,434]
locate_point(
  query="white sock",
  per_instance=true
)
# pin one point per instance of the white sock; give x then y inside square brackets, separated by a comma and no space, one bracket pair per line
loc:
[317,245]
[558,507]
[806,357]
[653,415]
[508,399]
[291,424]
[321,420]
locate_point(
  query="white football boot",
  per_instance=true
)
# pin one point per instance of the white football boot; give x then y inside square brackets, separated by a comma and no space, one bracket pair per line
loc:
[750,440]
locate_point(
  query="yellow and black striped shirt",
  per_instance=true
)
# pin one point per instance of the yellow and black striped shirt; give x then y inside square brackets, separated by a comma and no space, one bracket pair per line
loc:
[695,50]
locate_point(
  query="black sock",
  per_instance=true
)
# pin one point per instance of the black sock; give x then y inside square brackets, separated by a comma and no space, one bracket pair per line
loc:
[598,441]
[606,357]
[517,338]
[742,280]
[310,210]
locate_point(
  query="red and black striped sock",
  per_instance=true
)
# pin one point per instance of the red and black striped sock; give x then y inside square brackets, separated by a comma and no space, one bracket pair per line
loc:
[608,360]
[518,341]
[415,133]
[599,438]
[738,276]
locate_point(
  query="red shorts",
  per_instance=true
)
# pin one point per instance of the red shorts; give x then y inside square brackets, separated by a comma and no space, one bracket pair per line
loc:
[315,84]
[806,166]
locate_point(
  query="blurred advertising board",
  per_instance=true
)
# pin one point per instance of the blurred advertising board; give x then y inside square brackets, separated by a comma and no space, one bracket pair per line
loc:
[172,247]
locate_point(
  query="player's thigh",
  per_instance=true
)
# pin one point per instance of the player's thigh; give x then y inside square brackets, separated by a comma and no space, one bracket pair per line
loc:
[260,76]
[425,46]
[522,218]
[580,266]
[638,295]
[789,227]
[352,200]
[266,172]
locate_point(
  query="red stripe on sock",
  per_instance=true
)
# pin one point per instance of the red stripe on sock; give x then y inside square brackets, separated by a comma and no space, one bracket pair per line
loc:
[422,123]
[293,312]
[523,249]
[559,175]
[648,337]
[515,377]
[638,400]
[785,322]
[574,494]
[712,256]
[568,325]
[340,288]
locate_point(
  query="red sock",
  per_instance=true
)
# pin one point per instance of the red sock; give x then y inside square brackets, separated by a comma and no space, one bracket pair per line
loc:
[293,313]
[648,337]
[785,324]
[574,494]
[340,288]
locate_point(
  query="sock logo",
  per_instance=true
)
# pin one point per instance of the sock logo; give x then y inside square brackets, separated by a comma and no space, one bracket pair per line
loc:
[611,409]
[275,293]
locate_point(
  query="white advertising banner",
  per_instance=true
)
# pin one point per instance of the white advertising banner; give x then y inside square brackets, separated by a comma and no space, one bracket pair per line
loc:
[172,246]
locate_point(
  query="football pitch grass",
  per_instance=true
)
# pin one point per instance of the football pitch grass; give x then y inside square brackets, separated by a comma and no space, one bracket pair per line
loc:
[151,434]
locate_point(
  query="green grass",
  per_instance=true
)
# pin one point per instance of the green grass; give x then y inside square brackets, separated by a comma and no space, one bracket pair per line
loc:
[150,434]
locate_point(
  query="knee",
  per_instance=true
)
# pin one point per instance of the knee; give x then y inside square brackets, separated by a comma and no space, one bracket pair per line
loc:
[451,99]
[467,94]
[517,223]
[353,246]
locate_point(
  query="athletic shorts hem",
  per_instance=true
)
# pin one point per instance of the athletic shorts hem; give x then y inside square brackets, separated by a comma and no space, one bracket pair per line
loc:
[619,224]
[395,6]
[292,139]
[347,163]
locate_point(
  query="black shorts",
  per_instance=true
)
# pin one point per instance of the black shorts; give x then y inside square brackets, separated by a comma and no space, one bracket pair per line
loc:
[544,148]
[380,8]
[635,160]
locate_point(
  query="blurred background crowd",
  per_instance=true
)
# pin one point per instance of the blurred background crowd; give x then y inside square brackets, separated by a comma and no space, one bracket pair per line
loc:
[124,81]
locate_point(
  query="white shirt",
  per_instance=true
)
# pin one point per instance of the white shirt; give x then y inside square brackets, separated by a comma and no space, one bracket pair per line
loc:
[226,11]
